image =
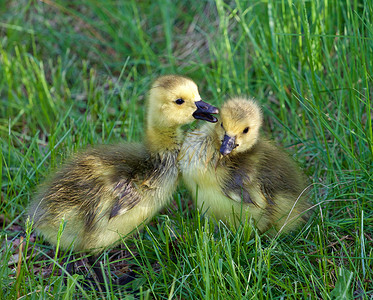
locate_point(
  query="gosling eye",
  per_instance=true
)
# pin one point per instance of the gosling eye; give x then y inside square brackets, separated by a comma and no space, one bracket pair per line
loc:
[221,125]
[246,130]
[179,101]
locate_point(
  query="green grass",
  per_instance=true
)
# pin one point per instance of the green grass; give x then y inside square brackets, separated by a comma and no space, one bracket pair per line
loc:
[74,74]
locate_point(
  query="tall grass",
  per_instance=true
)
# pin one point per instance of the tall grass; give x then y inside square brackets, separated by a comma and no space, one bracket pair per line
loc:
[74,74]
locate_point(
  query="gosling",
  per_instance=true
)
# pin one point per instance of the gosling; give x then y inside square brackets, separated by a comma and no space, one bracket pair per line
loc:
[234,174]
[105,193]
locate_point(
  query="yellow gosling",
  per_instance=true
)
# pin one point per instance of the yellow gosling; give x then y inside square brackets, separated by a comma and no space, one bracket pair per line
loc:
[234,174]
[105,193]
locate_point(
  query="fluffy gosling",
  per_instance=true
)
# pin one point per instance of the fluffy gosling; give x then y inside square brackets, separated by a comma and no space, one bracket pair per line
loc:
[234,173]
[105,193]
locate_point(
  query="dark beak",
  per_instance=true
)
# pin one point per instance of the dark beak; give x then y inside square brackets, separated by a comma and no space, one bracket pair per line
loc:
[204,111]
[228,144]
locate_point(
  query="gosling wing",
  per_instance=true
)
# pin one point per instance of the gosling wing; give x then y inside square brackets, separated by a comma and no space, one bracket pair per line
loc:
[127,196]
[236,187]
[252,177]
[131,166]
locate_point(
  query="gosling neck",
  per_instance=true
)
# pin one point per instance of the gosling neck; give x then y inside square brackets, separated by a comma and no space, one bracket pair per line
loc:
[163,139]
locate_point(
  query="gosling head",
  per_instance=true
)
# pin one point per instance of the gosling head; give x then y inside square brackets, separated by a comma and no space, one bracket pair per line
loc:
[174,100]
[240,124]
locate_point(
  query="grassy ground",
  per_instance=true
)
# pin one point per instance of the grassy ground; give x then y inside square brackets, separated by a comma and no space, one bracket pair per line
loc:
[74,74]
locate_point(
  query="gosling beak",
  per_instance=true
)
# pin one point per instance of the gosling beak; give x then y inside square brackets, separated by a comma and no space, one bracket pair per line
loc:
[204,111]
[228,144]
